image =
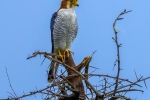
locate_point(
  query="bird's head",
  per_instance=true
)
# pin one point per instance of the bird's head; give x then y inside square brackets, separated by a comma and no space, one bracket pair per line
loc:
[69,4]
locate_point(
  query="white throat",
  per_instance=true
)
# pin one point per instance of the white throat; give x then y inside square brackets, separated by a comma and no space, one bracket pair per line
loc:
[68,7]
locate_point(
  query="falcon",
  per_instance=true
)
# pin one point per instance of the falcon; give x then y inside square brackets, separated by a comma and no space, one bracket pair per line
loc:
[64,29]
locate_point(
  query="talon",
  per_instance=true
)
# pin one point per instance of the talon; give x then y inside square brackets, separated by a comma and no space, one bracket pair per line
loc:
[68,52]
[61,56]
[65,54]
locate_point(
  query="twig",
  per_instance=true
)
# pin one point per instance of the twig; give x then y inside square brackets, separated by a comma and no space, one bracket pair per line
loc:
[118,46]
[105,75]
[43,61]
[119,96]
[129,90]
[10,83]
[145,84]
[39,53]
[105,85]
[67,81]
[141,79]
[32,93]
[136,75]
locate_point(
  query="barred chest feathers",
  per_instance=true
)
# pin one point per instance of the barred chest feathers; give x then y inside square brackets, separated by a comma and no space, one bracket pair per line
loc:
[65,28]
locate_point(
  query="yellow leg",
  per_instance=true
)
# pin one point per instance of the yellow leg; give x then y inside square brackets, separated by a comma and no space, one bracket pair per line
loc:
[61,56]
[65,53]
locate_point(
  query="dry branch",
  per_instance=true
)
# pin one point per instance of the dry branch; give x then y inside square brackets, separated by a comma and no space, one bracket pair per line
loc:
[118,47]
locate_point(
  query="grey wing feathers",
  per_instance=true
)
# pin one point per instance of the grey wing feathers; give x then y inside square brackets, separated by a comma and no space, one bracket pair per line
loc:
[51,28]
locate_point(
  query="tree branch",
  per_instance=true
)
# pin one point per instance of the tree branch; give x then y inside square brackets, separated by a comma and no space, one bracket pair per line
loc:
[118,46]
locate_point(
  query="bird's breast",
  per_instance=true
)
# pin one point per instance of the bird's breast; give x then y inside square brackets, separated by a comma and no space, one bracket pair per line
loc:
[65,29]
[67,15]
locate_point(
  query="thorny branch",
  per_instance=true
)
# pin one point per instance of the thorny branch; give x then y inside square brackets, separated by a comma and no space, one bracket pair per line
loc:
[96,92]
[118,46]
[29,94]
[46,55]
[141,79]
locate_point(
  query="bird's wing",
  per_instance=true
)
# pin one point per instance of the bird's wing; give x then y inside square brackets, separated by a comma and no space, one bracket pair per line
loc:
[52,27]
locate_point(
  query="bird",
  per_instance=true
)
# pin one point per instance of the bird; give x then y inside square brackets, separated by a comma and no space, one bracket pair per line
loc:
[64,29]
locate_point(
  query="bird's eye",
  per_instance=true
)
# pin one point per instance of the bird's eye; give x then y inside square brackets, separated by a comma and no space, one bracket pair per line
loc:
[71,1]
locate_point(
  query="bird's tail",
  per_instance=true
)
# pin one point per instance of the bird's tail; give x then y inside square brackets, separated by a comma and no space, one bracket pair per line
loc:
[52,71]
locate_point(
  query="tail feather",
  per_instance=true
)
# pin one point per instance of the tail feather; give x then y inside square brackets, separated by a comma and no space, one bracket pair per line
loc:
[52,71]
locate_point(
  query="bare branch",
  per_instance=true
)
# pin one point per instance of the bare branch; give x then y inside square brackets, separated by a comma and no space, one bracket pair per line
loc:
[141,79]
[118,46]
[10,83]
[136,75]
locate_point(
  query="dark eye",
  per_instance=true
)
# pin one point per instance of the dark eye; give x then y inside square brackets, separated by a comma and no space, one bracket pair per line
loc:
[71,0]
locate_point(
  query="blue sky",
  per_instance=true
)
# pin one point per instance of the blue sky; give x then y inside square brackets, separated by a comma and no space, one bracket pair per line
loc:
[24,28]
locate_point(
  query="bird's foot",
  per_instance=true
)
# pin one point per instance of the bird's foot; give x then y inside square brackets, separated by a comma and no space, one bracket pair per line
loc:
[61,56]
[65,54]
[68,52]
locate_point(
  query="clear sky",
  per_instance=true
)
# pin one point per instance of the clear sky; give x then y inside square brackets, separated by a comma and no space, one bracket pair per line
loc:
[24,28]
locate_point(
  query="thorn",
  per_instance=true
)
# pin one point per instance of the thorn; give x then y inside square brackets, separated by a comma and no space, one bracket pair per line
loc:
[120,45]
[119,18]
[113,38]
[145,84]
